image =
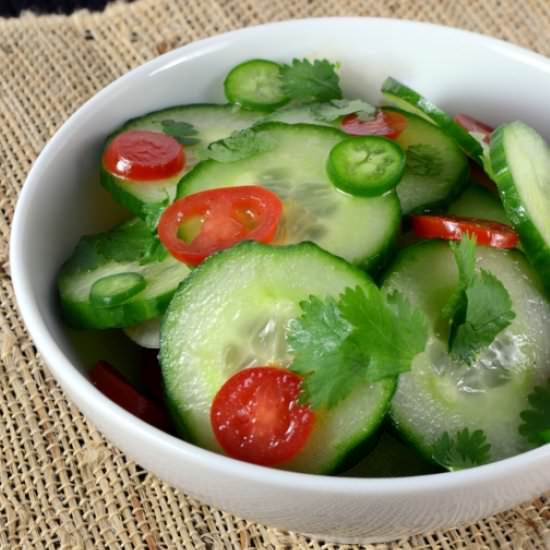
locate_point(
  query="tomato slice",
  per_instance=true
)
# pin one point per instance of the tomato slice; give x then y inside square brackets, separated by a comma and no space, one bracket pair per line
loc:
[471,124]
[220,218]
[108,381]
[142,155]
[388,124]
[453,228]
[256,416]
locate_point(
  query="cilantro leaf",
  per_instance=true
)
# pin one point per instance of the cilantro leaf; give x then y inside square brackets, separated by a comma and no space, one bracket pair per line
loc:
[317,339]
[464,450]
[131,241]
[124,243]
[479,309]
[536,419]
[239,145]
[330,111]
[379,320]
[357,339]
[151,212]
[306,82]
[183,132]
[84,257]
[155,252]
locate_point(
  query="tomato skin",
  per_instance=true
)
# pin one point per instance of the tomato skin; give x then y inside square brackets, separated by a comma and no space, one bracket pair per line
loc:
[109,382]
[388,124]
[142,155]
[471,124]
[256,416]
[228,215]
[453,228]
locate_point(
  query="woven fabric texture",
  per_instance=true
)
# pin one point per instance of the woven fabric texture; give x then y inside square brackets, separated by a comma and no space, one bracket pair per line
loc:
[61,484]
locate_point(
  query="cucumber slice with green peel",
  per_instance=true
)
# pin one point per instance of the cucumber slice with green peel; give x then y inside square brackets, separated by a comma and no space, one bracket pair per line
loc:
[359,229]
[520,160]
[118,278]
[255,84]
[440,394]
[436,170]
[366,166]
[146,334]
[196,126]
[478,202]
[210,332]
[409,100]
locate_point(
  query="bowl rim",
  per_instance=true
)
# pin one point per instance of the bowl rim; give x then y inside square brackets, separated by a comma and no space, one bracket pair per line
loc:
[77,384]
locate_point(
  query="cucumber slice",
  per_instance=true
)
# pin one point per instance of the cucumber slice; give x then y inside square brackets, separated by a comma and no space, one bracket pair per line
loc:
[436,169]
[442,395]
[209,123]
[93,283]
[255,84]
[366,166]
[477,202]
[228,335]
[409,100]
[146,334]
[359,229]
[520,159]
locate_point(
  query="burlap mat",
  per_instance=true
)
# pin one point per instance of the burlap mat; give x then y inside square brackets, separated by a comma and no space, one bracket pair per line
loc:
[61,484]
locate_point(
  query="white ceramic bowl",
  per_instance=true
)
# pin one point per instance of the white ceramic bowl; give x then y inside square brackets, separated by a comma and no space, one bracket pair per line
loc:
[61,200]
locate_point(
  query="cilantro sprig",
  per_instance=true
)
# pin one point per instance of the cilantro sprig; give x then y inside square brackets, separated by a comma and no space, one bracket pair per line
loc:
[536,420]
[331,110]
[463,450]
[479,309]
[305,81]
[240,145]
[131,241]
[184,132]
[359,338]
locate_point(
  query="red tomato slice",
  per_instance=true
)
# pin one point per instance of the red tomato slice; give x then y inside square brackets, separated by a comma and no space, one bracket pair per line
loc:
[453,228]
[144,156]
[473,125]
[388,124]
[108,381]
[224,217]
[256,416]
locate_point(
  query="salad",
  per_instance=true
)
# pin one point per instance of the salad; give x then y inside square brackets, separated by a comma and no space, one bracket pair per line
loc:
[323,285]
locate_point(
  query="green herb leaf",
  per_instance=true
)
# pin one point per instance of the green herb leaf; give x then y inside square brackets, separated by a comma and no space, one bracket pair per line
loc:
[330,111]
[465,450]
[479,309]
[307,82]
[131,241]
[536,419]
[378,320]
[84,257]
[181,131]
[125,243]
[152,212]
[239,145]
[357,339]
